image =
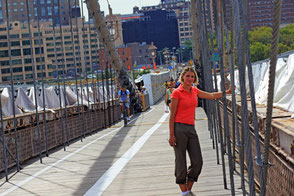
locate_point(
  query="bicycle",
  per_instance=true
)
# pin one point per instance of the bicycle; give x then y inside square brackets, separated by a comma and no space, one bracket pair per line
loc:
[125,113]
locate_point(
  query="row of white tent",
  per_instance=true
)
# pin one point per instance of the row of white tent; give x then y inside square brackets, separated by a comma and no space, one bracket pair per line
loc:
[25,98]
[284,82]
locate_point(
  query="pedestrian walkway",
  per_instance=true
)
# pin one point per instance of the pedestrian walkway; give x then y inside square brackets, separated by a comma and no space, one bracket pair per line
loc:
[120,161]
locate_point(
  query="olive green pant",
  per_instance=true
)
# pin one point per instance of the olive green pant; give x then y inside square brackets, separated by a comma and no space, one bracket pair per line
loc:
[187,140]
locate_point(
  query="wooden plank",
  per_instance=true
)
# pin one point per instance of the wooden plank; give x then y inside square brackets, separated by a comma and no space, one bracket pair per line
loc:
[150,172]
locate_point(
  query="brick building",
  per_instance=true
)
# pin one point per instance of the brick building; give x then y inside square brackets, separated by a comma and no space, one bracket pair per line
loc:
[83,54]
[260,12]
[17,10]
[125,55]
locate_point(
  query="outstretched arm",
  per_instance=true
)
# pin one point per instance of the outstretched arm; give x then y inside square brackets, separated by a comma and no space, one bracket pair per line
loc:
[173,110]
[215,95]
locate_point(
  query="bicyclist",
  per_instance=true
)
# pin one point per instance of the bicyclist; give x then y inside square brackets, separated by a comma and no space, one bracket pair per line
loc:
[124,96]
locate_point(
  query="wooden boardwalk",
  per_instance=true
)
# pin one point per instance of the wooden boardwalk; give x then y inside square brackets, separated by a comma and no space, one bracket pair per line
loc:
[120,161]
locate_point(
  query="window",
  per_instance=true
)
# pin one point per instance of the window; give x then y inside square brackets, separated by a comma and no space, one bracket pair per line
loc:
[14,36]
[26,42]
[25,35]
[16,62]
[29,76]
[4,53]
[17,69]
[40,75]
[18,77]
[37,34]
[5,71]
[43,11]
[38,59]
[4,63]
[28,68]
[15,43]
[26,51]
[3,44]
[39,67]
[50,49]
[27,61]
[37,41]
[37,50]
[16,52]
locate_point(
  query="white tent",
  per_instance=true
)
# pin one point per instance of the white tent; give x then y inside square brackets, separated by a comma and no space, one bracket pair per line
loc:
[7,106]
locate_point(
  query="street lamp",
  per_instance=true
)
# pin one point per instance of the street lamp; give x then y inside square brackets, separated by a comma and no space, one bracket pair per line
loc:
[160,58]
[152,53]
[166,55]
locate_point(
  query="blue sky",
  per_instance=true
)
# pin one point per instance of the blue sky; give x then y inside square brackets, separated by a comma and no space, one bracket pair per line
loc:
[123,6]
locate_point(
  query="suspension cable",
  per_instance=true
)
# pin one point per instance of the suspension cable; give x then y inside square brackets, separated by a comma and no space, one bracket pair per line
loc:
[34,81]
[42,78]
[80,105]
[220,43]
[12,88]
[58,74]
[271,86]
[252,94]
[63,70]
[245,121]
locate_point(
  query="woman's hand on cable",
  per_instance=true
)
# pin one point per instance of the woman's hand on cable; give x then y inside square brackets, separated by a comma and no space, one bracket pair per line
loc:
[172,141]
[229,91]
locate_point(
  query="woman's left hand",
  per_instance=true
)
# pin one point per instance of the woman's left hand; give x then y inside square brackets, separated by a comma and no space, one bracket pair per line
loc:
[229,91]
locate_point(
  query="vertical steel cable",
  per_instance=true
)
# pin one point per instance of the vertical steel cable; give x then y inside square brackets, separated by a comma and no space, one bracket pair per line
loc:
[43,88]
[220,43]
[205,60]
[63,72]
[252,95]
[107,92]
[34,78]
[245,121]
[231,50]
[3,142]
[214,4]
[58,76]
[271,87]
[80,70]
[97,74]
[92,71]
[206,64]
[214,115]
[232,75]
[86,65]
[234,107]
[112,92]
[75,67]
[12,88]
[103,87]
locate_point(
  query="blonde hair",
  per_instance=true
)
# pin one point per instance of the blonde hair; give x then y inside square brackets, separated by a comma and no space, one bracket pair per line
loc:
[185,70]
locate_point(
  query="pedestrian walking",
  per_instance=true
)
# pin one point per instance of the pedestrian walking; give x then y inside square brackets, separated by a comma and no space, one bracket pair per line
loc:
[183,136]
[168,95]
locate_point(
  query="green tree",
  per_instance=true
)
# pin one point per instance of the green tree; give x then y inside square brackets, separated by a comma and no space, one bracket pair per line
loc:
[257,50]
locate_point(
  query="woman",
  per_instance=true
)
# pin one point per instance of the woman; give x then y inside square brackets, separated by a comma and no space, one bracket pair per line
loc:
[168,95]
[183,136]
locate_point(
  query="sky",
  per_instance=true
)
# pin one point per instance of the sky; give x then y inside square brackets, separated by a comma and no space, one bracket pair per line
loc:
[122,6]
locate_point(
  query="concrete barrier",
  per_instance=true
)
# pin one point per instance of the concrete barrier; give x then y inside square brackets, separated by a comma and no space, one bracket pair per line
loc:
[154,85]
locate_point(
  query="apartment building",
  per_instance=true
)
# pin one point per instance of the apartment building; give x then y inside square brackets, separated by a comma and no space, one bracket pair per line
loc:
[158,26]
[260,12]
[17,10]
[65,54]
[181,8]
